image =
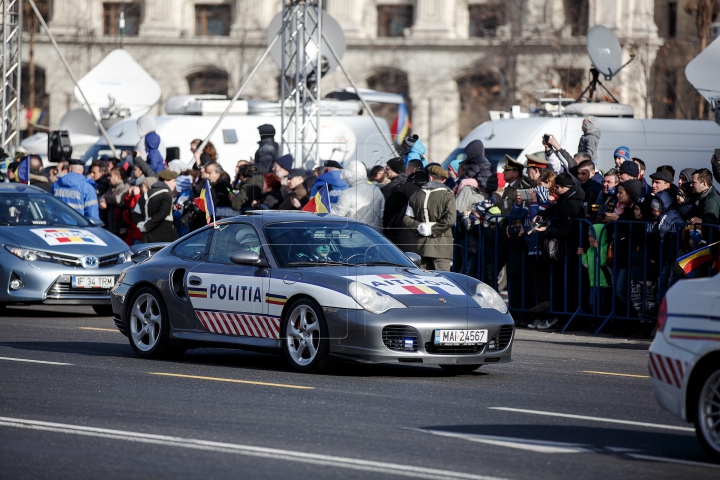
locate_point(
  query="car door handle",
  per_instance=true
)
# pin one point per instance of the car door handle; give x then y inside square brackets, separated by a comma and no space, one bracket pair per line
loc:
[195,281]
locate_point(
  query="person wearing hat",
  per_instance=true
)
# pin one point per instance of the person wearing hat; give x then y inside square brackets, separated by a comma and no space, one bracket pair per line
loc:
[295,195]
[590,138]
[153,212]
[332,178]
[395,172]
[534,166]
[514,181]
[661,181]
[396,205]
[621,155]
[431,214]
[282,167]
[268,149]
[76,192]
[628,171]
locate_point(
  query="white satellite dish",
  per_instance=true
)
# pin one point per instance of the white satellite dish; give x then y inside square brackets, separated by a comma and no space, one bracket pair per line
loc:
[604,50]
[702,73]
[331,30]
[119,81]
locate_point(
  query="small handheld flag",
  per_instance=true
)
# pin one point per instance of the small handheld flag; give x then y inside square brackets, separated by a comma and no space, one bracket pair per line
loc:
[401,125]
[23,170]
[694,259]
[205,202]
[320,203]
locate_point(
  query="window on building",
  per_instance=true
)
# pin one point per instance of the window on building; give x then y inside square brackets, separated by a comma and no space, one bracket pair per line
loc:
[394,81]
[672,19]
[479,93]
[208,82]
[394,19]
[577,15]
[212,20]
[30,20]
[571,81]
[111,18]
[485,18]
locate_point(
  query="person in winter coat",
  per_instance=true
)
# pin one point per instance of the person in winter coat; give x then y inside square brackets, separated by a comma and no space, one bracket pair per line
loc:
[707,200]
[567,230]
[219,185]
[295,195]
[591,184]
[590,138]
[594,258]
[685,176]
[362,200]
[76,192]
[154,157]
[412,149]
[479,167]
[145,125]
[250,188]
[271,193]
[431,213]
[666,227]
[333,179]
[396,205]
[395,173]
[115,195]
[268,149]
[37,177]
[153,213]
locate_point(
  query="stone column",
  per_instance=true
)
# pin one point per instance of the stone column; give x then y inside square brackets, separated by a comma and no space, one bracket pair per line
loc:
[252,17]
[349,14]
[434,19]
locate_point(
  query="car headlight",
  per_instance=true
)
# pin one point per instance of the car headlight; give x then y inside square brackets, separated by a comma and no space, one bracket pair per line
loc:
[125,257]
[25,254]
[486,297]
[372,299]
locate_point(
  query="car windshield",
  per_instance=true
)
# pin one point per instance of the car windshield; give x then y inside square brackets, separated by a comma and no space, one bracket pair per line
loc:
[35,208]
[303,244]
[496,156]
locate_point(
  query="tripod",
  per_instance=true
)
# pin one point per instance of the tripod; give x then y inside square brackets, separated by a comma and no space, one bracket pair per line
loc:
[595,85]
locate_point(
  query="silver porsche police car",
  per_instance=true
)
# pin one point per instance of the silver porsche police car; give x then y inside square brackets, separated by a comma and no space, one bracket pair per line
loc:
[52,255]
[311,287]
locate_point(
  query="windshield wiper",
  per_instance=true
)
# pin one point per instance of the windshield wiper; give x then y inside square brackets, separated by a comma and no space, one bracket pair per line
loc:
[380,263]
[316,264]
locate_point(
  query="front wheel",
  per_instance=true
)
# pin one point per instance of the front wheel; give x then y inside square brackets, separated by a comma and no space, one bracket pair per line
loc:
[460,369]
[305,337]
[707,425]
[148,325]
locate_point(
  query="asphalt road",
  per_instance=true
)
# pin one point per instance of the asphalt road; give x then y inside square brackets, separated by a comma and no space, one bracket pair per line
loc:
[87,407]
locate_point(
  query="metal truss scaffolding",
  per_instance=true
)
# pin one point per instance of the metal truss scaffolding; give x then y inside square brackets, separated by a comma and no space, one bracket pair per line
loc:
[11,68]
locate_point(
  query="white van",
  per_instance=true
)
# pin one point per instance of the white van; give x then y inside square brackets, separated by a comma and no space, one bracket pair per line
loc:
[680,143]
[343,137]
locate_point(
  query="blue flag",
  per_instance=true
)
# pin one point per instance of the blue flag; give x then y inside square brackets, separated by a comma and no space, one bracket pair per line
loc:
[23,171]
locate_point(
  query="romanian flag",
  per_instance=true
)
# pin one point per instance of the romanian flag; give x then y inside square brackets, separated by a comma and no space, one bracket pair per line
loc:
[401,125]
[692,260]
[320,203]
[205,202]
[35,115]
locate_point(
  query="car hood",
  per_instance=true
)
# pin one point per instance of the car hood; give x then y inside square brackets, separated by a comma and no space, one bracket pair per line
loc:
[412,286]
[63,240]
[695,297]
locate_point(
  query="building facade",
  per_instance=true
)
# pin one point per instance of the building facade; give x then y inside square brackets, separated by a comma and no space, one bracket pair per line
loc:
[453,60]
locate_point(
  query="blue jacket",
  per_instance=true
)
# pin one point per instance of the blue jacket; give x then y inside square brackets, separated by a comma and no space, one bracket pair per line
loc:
[154,157]
[526,214]
[75,190]
[417,152]
[334,182]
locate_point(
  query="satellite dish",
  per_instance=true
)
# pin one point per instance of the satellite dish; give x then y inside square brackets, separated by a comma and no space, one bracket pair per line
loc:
[702,72]
[604,50]
[79,121]
[331,30]
[119,79]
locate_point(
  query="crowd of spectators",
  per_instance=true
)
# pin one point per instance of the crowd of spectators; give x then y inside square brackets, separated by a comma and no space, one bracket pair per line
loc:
[559,236]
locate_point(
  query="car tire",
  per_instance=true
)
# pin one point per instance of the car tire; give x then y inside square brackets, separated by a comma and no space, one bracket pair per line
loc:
[304,337]
[460,369]
[103,310]
[147,325]
[707,400]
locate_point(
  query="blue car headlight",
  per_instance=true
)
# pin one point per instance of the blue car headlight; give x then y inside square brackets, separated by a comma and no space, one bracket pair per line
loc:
[125,257]
[26,254]
[486,297]
[372,299]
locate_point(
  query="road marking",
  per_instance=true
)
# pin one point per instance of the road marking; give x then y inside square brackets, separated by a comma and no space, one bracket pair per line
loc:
[616,374]
[538,446]
[232,380]
[115,330]
[263,452]
[594,419]
[672,460]
[33,361]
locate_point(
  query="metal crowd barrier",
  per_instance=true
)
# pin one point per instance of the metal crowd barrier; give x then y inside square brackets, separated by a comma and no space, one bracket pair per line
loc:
[640,271]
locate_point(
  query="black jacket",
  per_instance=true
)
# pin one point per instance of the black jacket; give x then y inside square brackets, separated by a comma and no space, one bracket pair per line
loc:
[480,167]
[388,189]
[395,208]
[568,207]
[266,154]
[155,209]
[250,189]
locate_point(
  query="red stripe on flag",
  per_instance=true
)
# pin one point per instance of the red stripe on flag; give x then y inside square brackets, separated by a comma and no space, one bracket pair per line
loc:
[414,290]
[310,206]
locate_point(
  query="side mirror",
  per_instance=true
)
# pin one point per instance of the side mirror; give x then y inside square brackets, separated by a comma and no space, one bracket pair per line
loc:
[247,258]
[414,257]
